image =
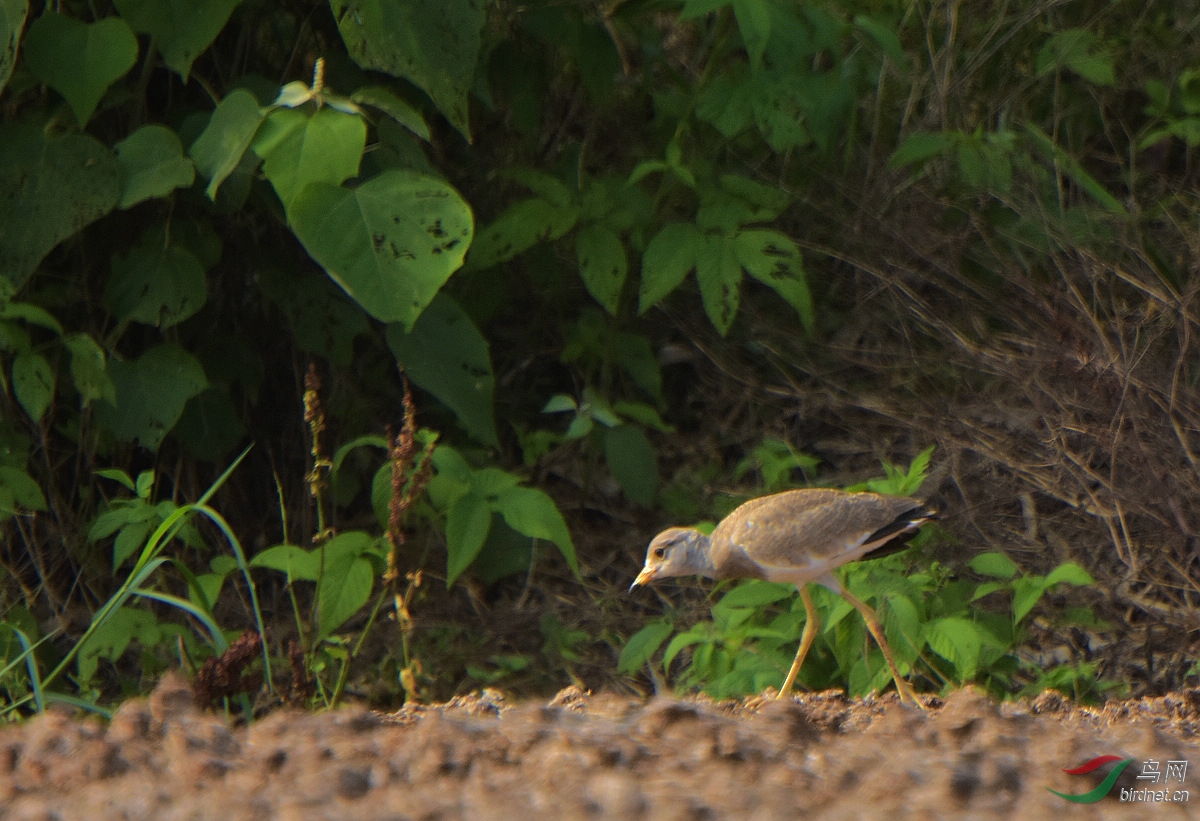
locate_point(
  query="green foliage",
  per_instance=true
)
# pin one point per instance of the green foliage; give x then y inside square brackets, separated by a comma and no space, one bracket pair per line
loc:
[117,623]
[177,230]
[344,569]
[627,450]
[472,500]
[933,622]
[776,461]
[134,519]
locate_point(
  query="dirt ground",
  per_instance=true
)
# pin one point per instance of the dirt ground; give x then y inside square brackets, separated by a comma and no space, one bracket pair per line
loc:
[598,756]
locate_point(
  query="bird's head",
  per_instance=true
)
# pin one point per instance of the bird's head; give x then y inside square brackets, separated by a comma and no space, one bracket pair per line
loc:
[677,551]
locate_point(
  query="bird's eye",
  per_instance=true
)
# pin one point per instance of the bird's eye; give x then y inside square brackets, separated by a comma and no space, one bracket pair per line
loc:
[660,552]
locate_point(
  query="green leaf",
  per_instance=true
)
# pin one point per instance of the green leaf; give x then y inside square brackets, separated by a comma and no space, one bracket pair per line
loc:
[295,561]
[668,259]
[633,463]
[50,189]
[89,370]
[884,36]
[958,641]
[1071,167]
[1027,591]
[491,482]
[531,512]
[12,20]
[391,243]
[346,580]
[559,403]
[117,475]
[33,383]
[152,165]
[110,638]
[19,490]
[917,148]
[1076,49]
[219,148]
[699,8]
[151,393]
[301,147]
[602,264]
[432,45]
[1069,573]
[391,105]
[755,594]
[634,354]
[182,29]
[32,314]
[754,24]
[467,524]
[774,260]
[994,564]
[131,539]
[720,276]
[643,644]
[156,285]
[78,60]
[902,629]
[518,229]
[446,355]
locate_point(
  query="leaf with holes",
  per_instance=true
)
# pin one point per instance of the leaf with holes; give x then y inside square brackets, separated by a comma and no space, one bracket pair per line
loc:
[774,260]
[33,383]
[151,393]
[391,243]
[602,264]
[155,285]
[720,276]
[50,189]
[518,229]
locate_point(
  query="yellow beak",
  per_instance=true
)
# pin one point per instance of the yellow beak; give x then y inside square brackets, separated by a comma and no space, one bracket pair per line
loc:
[647,575]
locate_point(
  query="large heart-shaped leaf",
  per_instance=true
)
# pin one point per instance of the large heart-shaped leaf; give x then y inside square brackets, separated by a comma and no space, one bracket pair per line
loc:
[78,60]
[182,29]
[156,284]
[151,393]
[432,45]
[50,188]
[152,164]
[391,243]
[300,147]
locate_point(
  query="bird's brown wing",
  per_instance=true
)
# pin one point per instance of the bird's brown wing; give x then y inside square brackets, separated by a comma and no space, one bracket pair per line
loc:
[802,534]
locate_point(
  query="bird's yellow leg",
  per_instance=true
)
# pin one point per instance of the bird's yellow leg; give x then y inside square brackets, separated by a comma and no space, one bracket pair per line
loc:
[902,686]
[811,622]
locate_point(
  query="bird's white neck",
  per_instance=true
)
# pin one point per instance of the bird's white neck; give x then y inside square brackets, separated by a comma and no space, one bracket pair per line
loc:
[700,558]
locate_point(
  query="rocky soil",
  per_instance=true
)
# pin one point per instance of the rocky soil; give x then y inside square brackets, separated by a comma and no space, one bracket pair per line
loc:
[599,756]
